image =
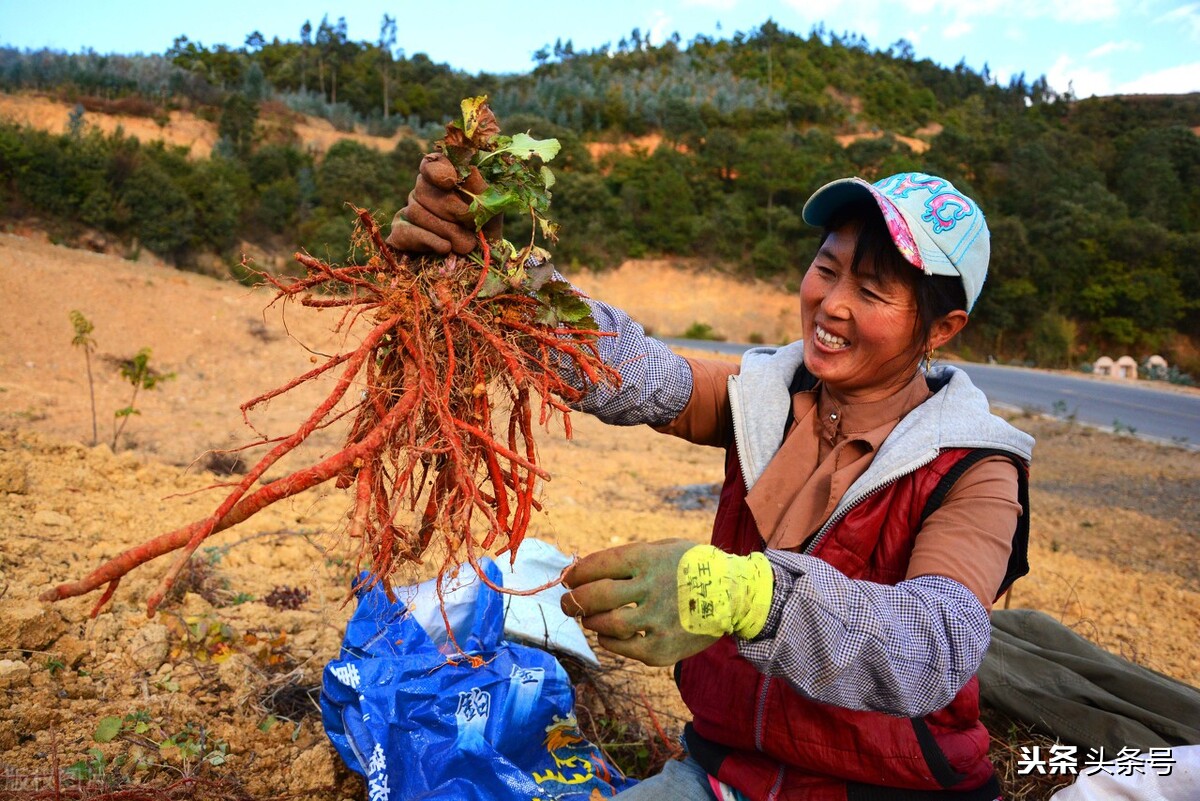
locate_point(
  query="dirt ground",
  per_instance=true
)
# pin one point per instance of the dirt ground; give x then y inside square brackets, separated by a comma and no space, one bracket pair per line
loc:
[219,684]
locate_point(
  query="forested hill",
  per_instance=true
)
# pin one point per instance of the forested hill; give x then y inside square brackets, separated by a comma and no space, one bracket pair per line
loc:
[1094,205]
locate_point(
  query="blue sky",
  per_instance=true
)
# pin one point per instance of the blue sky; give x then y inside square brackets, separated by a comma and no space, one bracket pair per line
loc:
[1094,46]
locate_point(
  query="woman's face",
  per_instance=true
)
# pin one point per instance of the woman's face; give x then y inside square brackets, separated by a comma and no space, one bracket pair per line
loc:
[858,330]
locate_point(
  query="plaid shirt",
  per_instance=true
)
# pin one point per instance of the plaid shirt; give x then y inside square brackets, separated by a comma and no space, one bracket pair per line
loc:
[656,383]
[905,649]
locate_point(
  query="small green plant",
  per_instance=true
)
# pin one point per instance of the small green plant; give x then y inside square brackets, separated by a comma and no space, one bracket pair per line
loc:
[138,372]
[83,340]
[699,330]
[93,768]
[55,665]
[1123,428]
[113,726]
[1060,410]
[193,743]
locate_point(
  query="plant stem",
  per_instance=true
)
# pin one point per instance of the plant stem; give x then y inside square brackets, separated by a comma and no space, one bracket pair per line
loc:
[87,355]
[124,418]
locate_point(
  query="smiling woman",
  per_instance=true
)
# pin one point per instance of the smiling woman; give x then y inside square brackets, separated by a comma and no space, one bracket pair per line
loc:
[868,316]
[826,642]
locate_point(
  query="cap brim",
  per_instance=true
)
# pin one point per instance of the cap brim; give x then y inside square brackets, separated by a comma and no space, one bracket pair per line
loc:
[821,207]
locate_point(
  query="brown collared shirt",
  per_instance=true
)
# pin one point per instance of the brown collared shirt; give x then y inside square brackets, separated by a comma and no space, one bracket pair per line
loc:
[829,446]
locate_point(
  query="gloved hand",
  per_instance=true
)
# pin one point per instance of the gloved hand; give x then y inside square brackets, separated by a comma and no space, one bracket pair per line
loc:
[628,596]
[437,218]
[661,602]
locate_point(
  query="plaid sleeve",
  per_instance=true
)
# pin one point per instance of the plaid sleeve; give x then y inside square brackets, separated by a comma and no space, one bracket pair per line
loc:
[905,649]
[656,383]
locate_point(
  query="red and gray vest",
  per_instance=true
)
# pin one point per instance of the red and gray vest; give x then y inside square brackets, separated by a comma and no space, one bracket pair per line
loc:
[757,734]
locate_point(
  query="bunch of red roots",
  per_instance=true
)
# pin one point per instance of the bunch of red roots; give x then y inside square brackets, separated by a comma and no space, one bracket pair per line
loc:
[445,389]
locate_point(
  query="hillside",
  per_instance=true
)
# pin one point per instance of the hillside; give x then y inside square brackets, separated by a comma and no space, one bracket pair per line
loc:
[181,128]
[701,152]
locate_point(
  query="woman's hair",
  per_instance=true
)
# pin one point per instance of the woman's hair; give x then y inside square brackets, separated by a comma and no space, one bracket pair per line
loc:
[936,295]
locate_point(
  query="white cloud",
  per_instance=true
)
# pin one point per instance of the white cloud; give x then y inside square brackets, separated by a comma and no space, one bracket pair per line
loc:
[1077,10]
[659,28]
[1185,17]
[1173,80]
[957,28]
[1083,81]
[1114,47]
[976,12]
[719,5]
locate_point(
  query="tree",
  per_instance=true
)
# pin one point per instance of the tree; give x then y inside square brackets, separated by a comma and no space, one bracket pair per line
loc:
[305,44]
[138,372]
[83,340]
[239,116]
[387,43]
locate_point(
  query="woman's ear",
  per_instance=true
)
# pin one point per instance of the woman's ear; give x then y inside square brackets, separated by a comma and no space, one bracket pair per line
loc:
[946,328]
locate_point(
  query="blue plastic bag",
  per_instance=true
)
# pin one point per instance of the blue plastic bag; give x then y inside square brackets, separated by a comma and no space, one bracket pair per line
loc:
[411,715]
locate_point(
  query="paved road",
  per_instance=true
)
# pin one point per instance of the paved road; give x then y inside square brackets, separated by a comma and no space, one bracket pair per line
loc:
[1163,415]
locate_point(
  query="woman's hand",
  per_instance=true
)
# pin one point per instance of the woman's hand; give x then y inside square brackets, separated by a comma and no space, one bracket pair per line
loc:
[437,218]
[629,597]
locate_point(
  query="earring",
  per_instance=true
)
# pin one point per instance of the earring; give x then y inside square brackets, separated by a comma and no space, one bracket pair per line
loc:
[928,359]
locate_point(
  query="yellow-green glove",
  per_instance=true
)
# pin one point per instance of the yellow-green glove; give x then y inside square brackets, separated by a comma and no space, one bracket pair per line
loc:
[627,596]
[720,593]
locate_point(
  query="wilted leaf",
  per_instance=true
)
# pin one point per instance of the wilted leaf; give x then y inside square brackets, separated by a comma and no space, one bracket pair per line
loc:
[493,285]
[540,275]
[479,123]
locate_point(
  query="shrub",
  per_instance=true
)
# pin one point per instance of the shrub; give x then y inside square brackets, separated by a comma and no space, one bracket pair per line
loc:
[700,330]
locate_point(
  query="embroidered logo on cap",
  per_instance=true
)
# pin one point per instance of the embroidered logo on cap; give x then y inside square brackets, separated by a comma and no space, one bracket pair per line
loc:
[943,208]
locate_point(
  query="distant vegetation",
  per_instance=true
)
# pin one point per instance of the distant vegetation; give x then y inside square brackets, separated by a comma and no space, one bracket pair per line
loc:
[1094,204]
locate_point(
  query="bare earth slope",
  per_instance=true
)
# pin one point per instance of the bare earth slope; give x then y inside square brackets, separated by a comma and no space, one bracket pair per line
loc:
[1113,527]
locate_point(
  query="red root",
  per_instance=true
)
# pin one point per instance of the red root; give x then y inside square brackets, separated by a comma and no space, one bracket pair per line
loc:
[436,363]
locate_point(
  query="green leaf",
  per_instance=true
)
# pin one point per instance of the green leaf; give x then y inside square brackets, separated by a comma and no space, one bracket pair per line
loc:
[108,729]
[524,146]
[492,201]
[563,305]
[547,176]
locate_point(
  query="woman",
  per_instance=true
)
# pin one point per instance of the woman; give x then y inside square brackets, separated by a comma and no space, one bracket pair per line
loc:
[826,642]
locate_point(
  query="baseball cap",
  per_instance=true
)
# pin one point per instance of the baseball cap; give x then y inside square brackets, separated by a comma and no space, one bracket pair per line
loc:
[935,227]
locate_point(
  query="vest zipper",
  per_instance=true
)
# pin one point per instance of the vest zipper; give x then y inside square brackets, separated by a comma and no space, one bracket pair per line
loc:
[739,442]
[845,510]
